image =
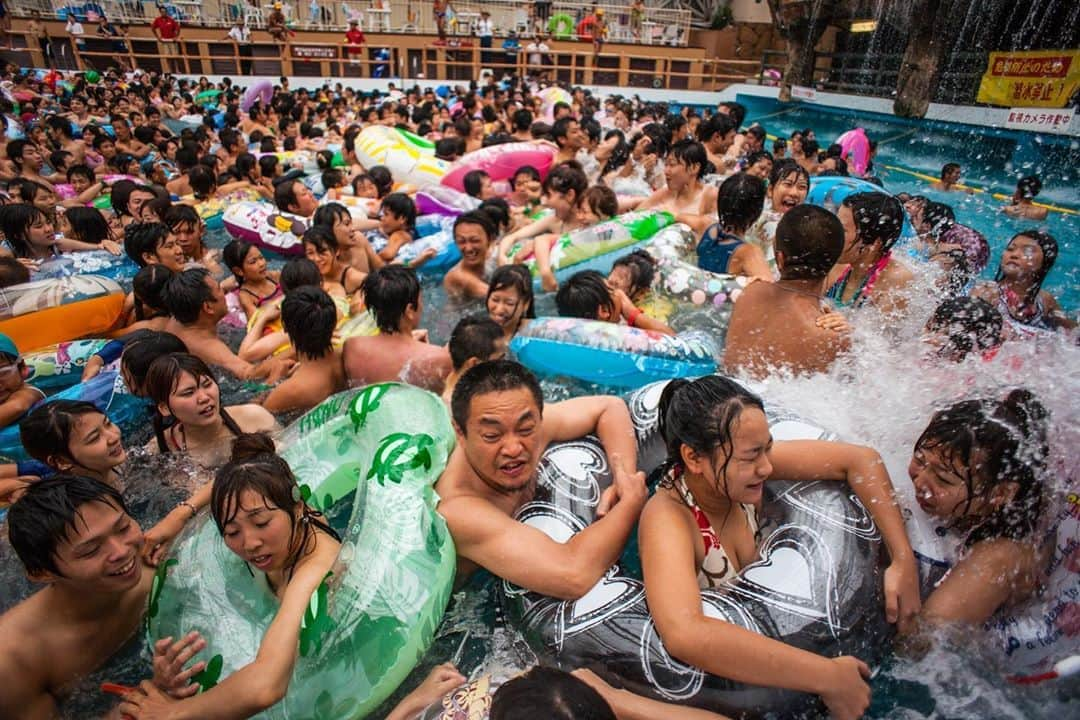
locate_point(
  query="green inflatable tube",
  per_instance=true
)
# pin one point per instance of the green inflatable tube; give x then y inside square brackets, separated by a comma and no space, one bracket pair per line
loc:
[561,26]
[375,616]
[619,233]
[207,95]
[338,160]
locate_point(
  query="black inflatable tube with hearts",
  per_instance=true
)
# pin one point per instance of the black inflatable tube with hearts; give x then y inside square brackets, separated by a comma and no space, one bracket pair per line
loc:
[817,585]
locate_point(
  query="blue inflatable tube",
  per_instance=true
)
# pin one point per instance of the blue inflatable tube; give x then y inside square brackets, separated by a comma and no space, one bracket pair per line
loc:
[432,231]
[106,391]
[94,262]
[829,192]
[608,354]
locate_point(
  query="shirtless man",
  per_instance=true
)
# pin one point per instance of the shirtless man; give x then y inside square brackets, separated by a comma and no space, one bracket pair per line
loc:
[474,234]
[294,197]
[717,134]
[475,339]
[27,159]
[59,130]
[786,323]
[569,137]
[74,534]
[128,143]
[950,179]
[309,316]
[685,194]
[502,431]
[1023,200]
[398,353]
[196,305]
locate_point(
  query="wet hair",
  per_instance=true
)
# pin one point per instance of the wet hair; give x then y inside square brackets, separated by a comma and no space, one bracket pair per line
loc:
[702,414]
[754,157]
[389,291]
[528,171]
[234,255]
[583,295]
[49,512]
[739,202]
[267,165]
[948,168]
[518,277]
[382,178]
[160,207]
[165,371]
[601,201]
[80,170]
[46,431]
[141,348]
[403,206]
[938,216]
[203,182]
[13,272]
[970,325]
[490,377]
[475,336]
[185,293]
[143,239]
[330,213]
[990,442]
[299,272]
[309,317]
[878,218]
[477,217]
[642,268]
[1028,187]
[28,190]
[285,195]
[15,222]
[178,215]
[473,182]
[498,210]
[718,123]
[689,152]
[782,169]
[256,466]
[522,120]
[1049,247]
[811,239]
[810,148]
[548,693]
[148,287]
[961,272]
[119,195]
[736,111]
[564,178]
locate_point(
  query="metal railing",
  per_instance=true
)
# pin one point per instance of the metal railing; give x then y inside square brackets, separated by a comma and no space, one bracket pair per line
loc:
[661,26]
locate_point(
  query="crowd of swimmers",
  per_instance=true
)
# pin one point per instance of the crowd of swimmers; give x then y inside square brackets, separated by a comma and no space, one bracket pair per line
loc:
[978,466]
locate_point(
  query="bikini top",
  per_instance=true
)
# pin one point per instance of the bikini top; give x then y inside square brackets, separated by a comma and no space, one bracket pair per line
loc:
[836,292]
[716,248]
[1025,319]
[716,567]
[260,301]
[160,429]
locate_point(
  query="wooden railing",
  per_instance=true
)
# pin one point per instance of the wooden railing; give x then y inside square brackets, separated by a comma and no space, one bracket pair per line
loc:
[203,52]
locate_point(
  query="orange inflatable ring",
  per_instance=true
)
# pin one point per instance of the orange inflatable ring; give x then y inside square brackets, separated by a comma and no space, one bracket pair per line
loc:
[45,312]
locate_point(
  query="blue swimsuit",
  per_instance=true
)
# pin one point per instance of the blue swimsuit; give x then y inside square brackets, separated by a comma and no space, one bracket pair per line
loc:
[716,248]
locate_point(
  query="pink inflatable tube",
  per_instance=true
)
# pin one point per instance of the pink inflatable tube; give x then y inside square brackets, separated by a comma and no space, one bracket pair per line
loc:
[855,150]
[442,200]
[500,162]
[64,191]
[262,91]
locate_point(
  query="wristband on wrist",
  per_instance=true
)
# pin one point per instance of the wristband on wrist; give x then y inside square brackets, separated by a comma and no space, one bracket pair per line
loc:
[632,318]
[189,506]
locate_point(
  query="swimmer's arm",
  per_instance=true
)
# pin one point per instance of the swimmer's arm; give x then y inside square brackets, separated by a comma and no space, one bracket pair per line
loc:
[976,586]
[720,648]
[864,471]
[626,204]
[393,244]
[602,415]
[264,682]
[543,225]
[542,252]
[285,397]
[698,223]
[628,706]
[1055,314]
[256,345]
[69,245]
[749,260]
[17,404]
[157,538]
[528,557]
[85,196]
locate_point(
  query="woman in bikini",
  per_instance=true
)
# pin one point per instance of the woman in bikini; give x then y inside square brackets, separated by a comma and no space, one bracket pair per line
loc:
[1017,288]
[700,529]
[867,270]
[257,285]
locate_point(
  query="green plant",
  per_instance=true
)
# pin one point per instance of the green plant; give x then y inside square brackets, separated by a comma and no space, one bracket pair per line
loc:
[722,17]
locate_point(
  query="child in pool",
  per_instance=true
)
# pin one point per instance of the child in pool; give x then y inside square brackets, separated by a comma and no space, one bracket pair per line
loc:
[262,520]
[474,233]
[527,191]
[633,274]
[1023,200]
[16,395]
[700,528]
[788,187]
[257,285]
[510,298]
[349,234]
[397,224]
[978,470]
[190,230]
[722,248]
[153,244]
[148,305]
[309,316]
[867,270]
[1017,288]
[587,294]
[321,247]
[961,326]
[74,436]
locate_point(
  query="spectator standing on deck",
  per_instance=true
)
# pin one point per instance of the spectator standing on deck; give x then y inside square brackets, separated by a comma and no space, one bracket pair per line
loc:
[36,29]
[75,29]
[354,42]
[439,8]
[637,17]
[240,34]
[275,25]
[536,52]
[166,29]
[485,30]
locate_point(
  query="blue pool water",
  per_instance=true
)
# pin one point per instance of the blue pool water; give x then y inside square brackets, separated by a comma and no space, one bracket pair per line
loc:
[990,159]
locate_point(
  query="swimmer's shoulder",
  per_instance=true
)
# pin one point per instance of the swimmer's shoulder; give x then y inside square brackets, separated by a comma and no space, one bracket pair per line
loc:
[253,418]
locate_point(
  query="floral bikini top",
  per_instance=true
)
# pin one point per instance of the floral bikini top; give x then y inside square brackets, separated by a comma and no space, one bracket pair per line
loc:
[716,567]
